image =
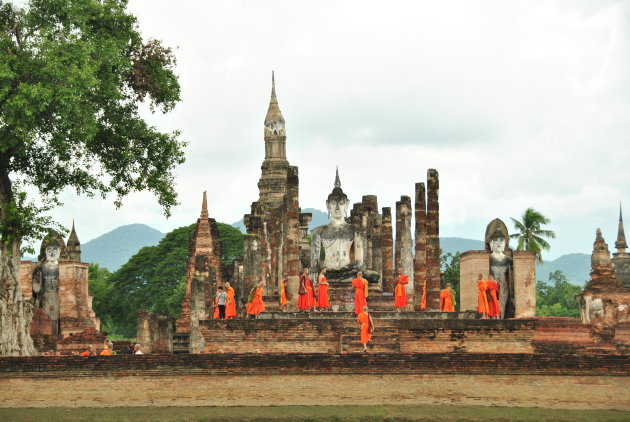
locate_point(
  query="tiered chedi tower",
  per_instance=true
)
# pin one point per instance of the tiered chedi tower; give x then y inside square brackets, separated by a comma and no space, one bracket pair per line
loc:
[276,228]
[621,259]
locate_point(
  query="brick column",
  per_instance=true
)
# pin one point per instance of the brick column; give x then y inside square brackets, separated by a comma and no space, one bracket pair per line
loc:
[471,264]
[433,240]
[420,262]
[388,251]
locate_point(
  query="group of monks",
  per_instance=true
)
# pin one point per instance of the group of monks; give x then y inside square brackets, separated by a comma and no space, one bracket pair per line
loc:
[488,298]
[307,300]
[447,295]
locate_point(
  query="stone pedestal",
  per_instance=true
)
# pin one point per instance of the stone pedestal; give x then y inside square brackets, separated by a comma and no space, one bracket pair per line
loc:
[472,263]
[524,283]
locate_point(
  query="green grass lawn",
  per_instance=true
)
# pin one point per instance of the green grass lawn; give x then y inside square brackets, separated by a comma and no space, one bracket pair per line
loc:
[308,413]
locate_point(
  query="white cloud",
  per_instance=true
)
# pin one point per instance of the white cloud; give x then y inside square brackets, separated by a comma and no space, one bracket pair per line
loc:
[516,104]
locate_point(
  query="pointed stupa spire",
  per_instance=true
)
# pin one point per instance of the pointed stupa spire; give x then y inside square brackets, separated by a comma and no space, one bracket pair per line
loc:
[337,181]
[73,245]
[73,234]
[273,113]
[204,207]
[621,244]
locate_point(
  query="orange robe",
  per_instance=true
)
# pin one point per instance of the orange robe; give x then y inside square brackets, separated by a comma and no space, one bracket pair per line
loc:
[423,304]
[303,299]
[322,294]
[86,353]
[364,320]
[216,308]
[493,298]
[310,290]
[257,305]
[400,295]
[359,285]
[230,305]
[482,298]
[105,352]
[283,293]
[446,301]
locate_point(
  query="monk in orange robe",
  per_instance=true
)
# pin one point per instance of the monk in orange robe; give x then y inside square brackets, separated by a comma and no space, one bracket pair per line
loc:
[88,352]
[106,351]
[493,297]
[256,305]
[400,295]
[360,290]
[283,294]
[423,303]
[367,327]
[303,296]
[230,305]
[216,308]
[312,301]
[482,298]
[322,290]
[446,299]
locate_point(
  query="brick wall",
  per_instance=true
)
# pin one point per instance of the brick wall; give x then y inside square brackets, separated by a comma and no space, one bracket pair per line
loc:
[568,381]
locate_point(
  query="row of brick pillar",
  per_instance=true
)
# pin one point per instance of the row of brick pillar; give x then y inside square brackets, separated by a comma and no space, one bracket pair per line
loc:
[426,263]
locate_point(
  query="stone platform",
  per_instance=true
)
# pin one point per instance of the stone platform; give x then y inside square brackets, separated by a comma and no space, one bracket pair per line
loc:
[338,333]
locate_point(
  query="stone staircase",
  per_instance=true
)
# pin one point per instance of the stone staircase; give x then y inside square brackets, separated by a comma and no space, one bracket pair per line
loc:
[384,340]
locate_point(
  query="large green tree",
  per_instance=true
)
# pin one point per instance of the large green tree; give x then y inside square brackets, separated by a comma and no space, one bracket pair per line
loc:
[73,74]
[153,279]
[530,233]
[557,297]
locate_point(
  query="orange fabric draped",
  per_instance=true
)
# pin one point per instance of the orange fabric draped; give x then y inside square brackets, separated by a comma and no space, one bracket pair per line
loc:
[311,293]
[364,320]
[105,352]
[400,295]
[303,293]
[86,353]
[493,298]
[322,294]
[283,293]
[482,298]
[257,305]
[423,304]
[216,308]
[230,305]
[446,301]
[359,285]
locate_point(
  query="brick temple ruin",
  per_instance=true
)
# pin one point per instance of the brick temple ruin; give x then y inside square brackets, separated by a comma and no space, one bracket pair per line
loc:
[457,356]
[58,284]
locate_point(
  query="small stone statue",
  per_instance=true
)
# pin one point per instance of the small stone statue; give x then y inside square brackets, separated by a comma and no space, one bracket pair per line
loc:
[46,280]
[337,245]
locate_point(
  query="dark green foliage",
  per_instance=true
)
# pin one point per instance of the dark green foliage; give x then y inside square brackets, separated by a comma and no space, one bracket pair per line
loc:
[450,272]
[557,296]
[72,76]
[231,243]
[153,279]
[530,234]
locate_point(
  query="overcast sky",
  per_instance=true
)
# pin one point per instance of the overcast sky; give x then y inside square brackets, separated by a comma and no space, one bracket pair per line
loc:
[516,104]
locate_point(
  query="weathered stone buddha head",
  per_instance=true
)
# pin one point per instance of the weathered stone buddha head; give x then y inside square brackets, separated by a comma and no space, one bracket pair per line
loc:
[337,202]
[497,241]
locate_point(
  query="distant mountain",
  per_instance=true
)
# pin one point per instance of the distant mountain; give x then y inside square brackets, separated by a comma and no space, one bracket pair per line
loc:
[576,266]
[320,218]
[458,244]
[114,249]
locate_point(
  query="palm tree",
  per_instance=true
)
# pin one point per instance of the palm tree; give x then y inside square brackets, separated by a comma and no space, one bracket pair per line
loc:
[530,235]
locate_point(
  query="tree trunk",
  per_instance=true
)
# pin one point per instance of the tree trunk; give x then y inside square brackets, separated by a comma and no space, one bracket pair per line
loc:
[16,314]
